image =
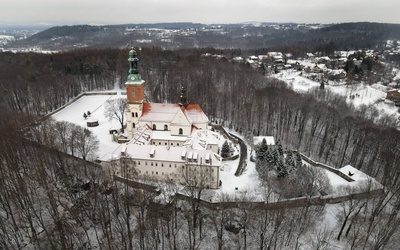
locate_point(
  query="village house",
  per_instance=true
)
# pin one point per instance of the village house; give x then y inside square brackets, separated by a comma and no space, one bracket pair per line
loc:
[393,95]
[337,74]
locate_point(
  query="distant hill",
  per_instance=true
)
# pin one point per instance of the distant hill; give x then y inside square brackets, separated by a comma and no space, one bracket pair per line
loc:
[187,35]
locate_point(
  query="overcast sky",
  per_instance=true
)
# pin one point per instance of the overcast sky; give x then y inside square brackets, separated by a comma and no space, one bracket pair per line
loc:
[57,12]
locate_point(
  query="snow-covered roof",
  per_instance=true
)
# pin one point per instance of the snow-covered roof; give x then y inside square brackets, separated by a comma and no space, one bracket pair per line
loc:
[142,136]
[334,72]
[238,59]
[159,112]
[326,58]
[195,114]
[392,91]
[321,66]
[165,112]
[273,54]
[269,139]
[165,154]
[166,135]
[201,138]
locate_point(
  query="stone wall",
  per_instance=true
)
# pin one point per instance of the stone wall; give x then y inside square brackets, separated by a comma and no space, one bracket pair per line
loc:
[329,168]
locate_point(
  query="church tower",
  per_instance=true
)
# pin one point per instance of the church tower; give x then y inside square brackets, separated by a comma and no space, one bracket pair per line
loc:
[134,94]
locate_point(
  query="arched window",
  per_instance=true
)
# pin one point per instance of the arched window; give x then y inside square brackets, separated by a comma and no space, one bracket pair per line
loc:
[133,93]
[136,114]
[180,131]
[154,127]
[165,127]
[133,125]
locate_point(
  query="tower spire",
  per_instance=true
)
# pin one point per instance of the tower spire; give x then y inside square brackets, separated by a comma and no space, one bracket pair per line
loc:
[133,67]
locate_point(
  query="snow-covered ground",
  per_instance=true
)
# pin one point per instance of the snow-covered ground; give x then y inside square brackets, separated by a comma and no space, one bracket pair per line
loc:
[356,94]
[247,185]
[95,104]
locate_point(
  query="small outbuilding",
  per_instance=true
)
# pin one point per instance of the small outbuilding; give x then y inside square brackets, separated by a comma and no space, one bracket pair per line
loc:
[92,122]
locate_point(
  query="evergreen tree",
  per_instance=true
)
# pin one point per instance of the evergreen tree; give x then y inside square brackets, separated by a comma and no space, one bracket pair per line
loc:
[262,151]
[299,162]
[89,113]
[269,158]
[264,146]
[225,151]
[275,156]
[280,148]
[289,159]
[85,115]
[282,169]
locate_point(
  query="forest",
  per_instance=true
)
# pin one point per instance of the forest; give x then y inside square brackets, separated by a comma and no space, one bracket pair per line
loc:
[52,201]
[301,38]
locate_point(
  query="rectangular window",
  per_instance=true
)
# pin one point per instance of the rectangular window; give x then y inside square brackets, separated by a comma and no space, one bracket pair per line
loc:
[156,164]
[147,172]
[165,143]
[151,164]
[169,165]
[145,163]
[162,164]
[152,172]
[138,162]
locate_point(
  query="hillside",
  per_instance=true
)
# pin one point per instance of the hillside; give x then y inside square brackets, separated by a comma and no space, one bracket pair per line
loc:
[304,37]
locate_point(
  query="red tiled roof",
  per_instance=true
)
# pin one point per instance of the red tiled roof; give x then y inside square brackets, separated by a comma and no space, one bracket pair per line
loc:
[165,112]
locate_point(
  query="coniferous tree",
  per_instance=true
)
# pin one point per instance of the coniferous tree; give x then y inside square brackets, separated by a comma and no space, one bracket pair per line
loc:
[276,156]
[269,157]
[282,169]
[298,159]
[85,115]
[280,148]
[225,151]
[289,159]
[262,151]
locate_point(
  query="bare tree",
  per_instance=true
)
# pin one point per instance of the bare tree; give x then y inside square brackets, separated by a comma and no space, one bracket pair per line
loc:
[86,143]
[196,179]
[114,109]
